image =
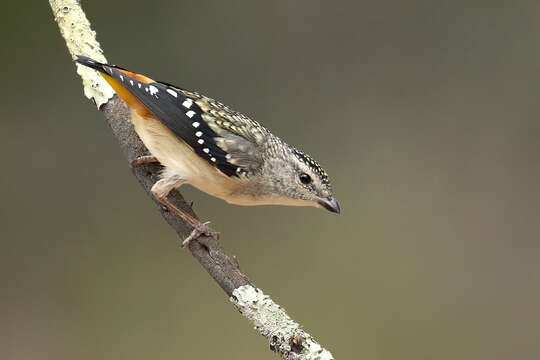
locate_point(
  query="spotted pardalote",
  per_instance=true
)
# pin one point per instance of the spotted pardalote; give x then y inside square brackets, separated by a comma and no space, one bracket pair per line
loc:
[220,151]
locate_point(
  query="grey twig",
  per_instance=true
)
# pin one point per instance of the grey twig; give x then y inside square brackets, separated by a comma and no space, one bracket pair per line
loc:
[285,335]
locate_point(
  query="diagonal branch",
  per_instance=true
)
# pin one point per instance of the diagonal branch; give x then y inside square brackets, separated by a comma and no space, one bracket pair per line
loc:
[285,335]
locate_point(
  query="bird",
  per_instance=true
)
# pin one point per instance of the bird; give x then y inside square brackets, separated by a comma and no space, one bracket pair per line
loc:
[222,152]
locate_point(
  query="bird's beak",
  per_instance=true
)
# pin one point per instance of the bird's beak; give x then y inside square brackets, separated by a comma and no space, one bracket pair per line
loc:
[330,204]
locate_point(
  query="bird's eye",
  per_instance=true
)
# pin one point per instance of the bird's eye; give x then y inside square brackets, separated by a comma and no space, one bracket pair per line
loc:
[305,178]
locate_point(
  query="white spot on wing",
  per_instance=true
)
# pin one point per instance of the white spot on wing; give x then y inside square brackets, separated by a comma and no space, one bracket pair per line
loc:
[213,159]
[206,150]
[190,113]
[121,78]
[198,134]
[172,92]
[200,141]
[153,90]
[131,82]
[228,156]
[139,85]
[196,124]
[187,103]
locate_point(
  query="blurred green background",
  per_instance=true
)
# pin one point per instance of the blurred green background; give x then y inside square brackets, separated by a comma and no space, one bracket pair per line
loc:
[424,113]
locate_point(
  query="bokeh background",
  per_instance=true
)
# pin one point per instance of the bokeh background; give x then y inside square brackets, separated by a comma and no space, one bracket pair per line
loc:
[424,113]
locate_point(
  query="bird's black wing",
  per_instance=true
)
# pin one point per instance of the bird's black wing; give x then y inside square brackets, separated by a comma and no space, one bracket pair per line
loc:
[241,138]
[225,138]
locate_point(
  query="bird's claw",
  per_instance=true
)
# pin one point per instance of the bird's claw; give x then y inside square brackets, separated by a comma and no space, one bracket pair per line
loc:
[198,230]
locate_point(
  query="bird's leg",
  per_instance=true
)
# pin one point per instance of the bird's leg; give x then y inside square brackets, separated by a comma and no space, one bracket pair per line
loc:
[161,189]
[145,159]
[199,228]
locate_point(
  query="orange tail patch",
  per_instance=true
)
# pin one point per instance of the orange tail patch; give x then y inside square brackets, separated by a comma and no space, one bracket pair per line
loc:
[126,95]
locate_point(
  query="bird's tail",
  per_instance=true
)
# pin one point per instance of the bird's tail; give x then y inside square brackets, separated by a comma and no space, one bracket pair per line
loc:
[91,63]
[118,78]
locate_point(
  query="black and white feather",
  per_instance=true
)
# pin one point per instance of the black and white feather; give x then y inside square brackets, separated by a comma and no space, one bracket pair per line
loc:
[185,118]
[225,138]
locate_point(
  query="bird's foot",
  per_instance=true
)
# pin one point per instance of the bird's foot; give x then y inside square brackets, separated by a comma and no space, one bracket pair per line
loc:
[198,230]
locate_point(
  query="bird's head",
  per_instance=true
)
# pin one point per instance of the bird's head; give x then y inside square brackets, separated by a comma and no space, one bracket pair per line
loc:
[296,179]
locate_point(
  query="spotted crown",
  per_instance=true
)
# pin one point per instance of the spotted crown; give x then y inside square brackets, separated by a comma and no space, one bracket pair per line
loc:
[308,160]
